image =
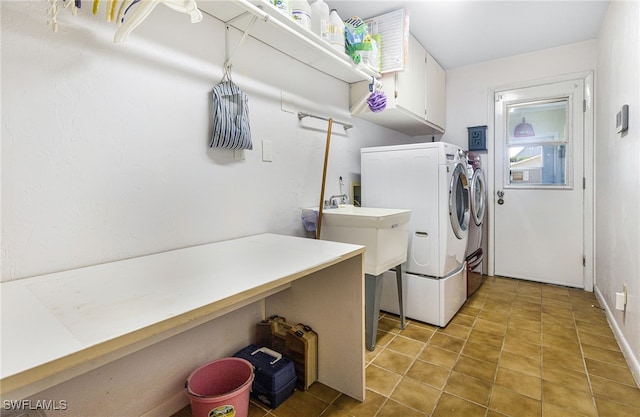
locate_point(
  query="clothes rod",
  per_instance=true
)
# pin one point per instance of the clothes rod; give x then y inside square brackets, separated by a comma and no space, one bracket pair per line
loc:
[302,115]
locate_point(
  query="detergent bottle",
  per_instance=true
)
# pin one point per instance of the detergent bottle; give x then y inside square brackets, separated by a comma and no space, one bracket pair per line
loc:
[301,13]
[336,31]
[320,19]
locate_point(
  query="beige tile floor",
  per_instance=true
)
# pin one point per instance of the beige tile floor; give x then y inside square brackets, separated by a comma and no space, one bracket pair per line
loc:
[515,349]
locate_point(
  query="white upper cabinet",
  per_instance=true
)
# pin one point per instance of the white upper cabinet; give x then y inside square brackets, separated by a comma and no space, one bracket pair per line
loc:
[415,96]
[436,95]
[411,84]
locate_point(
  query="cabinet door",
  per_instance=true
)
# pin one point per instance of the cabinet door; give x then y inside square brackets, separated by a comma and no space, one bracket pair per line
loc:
[411,83]
[417,64]
[435,93]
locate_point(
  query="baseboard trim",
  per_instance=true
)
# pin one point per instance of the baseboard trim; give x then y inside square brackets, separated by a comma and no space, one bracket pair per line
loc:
[632,360]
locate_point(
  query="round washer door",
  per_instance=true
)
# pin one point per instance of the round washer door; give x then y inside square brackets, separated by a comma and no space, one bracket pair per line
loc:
[478,193]
[459,201]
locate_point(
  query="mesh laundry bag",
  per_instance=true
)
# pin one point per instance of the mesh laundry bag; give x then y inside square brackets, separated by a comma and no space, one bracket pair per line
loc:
[231,127]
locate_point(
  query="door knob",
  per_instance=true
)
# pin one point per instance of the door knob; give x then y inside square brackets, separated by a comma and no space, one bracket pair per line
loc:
[500,193]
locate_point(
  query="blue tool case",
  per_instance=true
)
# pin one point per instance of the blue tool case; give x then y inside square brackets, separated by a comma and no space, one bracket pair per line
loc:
[275,375]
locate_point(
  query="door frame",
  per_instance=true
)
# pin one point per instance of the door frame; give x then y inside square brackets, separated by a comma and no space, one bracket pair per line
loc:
[589,164]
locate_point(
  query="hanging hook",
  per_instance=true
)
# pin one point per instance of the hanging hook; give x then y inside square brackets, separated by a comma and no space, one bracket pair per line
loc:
[375,85]
[226,72]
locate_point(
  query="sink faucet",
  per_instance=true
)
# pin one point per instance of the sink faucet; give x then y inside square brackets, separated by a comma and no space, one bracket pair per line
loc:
[335,200]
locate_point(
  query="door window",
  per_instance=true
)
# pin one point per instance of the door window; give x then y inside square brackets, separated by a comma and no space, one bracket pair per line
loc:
[459,202]
[537,144]
[478,196]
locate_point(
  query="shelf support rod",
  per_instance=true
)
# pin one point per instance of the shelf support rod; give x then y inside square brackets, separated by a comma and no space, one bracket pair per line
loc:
[228,54]
[302,115]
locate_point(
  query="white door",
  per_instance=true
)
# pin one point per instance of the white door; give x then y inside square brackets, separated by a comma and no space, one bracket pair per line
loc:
[539,196]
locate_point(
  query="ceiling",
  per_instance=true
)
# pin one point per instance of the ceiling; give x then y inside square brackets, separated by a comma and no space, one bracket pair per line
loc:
[465,32]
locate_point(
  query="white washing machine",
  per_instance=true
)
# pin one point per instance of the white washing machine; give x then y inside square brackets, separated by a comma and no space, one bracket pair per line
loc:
[429,179]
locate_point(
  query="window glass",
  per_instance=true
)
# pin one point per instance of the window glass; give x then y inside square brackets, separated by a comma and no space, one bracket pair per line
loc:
[537,143]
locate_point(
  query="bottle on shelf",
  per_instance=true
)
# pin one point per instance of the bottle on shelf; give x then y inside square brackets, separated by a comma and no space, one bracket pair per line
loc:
[320,19]
[283,6]
[301,13]
[336,31]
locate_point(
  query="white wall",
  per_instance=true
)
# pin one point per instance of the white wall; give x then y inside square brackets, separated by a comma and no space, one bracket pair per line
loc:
[468,87]
[618,173]
[105,156]
[105,147]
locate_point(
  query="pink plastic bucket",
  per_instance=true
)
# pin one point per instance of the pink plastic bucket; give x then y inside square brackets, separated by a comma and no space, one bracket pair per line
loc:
[221,388]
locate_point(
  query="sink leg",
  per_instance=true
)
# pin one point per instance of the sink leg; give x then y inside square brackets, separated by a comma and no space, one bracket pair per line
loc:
[403,321]
[373,294]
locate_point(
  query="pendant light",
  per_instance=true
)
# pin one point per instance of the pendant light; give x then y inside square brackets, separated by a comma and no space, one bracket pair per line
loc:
[523,129]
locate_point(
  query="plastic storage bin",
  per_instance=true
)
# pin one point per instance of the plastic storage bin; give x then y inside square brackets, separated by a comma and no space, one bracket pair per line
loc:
[275,378]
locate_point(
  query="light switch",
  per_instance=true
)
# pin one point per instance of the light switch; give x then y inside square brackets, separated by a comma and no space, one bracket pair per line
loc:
[267,151]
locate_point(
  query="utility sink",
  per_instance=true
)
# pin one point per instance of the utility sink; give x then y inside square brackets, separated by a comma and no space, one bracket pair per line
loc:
[384,231]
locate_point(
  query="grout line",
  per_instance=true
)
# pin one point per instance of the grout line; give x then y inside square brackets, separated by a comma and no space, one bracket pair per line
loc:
[541,358]
[404,374]
[386,398]
[584,363]
[495,377]
[475,320]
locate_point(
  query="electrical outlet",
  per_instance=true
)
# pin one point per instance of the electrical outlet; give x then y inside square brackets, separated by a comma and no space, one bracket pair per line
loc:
[621,299]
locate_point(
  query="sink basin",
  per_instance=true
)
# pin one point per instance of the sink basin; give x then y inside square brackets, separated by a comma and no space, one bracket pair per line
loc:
[385,233]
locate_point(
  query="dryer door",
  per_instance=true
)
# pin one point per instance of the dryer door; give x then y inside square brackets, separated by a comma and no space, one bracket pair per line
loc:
[459,201]
[478,192]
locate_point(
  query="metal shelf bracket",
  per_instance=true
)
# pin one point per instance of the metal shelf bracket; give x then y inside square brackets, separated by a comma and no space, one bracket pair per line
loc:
[228,53]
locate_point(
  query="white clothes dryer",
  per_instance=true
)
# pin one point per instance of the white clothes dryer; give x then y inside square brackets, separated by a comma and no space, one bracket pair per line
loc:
[478,200]
[431,180]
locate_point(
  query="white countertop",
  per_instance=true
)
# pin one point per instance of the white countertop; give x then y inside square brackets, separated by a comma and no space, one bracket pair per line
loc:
[66,318]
